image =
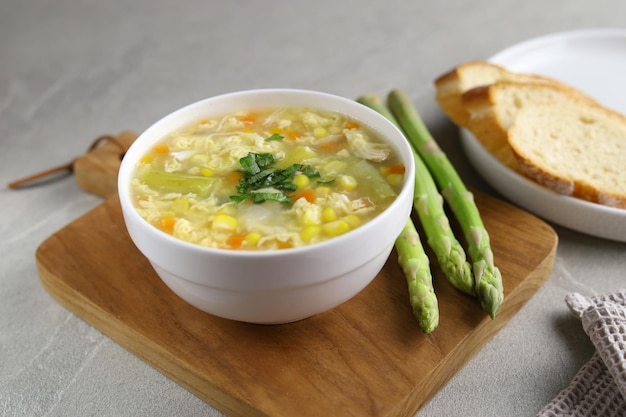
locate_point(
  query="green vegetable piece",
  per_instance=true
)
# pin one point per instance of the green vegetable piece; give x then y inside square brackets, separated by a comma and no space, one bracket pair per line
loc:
[487,278]
[416,267]
[310,172]
[296,156]
[367,174]
[429,205]
[274,137]
[262,197]
[259,175]
[174,182]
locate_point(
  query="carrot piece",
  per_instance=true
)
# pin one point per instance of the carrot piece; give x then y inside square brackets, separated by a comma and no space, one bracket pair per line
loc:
[249,118]
[168,223]
[283,245]
[234,177]
[308,195]
[161,149]
[329,146]
[235,241]
[352,125]
[397,169]
[293,134]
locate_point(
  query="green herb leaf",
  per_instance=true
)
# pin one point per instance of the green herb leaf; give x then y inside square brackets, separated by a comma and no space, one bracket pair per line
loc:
[239,198]
[310,172]
[258,198]
[275,136]
[258,175]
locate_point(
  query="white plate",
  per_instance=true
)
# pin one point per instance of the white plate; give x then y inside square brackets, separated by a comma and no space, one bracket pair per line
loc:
[593,61]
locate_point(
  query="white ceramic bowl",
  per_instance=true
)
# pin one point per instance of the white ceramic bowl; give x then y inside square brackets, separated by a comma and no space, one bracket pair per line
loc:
[275,286]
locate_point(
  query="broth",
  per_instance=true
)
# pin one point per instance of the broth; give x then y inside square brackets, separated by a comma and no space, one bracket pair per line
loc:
[269,178]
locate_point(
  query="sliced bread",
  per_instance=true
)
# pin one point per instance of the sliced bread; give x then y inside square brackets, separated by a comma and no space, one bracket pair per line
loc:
[451,85]
[493,108]
[574,149]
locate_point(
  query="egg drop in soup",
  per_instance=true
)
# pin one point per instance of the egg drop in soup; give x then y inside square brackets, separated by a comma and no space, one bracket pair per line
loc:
[269,178]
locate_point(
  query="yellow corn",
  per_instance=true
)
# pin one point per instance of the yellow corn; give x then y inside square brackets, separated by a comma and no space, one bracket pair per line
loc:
[336,228]
[394,179]
[252,239]
[329,214]
[310,232]
[347,182]
[353,220]
[301,180]
[146,159]
[206,172]
[180,205]
[169,213]
[322,191]
[224,223]
[319,132]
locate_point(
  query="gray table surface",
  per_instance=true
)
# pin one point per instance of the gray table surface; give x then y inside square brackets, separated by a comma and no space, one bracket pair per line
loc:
[72,70]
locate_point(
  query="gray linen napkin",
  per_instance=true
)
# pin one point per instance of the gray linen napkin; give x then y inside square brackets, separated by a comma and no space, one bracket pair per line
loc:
[599,388]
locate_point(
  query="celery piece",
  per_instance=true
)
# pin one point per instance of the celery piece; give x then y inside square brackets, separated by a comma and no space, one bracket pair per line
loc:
[295,156]
[367,174]
[175,182]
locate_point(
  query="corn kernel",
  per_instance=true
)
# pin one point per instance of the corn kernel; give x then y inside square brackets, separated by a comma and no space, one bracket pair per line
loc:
[180,205]
[394,179]
[206,172]
[310,232]
[336,228]
[319,132]
[146,159]
[322,190]
[276,131]
[347,182]
[252,239]
[224,222]
[329,214]
[301,180]
[353,220]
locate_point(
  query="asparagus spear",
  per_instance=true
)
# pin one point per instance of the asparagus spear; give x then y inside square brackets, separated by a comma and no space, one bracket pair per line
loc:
[428,204]
[416,268]
[487,278]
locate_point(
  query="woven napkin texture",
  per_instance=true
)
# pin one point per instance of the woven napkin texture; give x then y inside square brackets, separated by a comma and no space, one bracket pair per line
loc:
[599,388]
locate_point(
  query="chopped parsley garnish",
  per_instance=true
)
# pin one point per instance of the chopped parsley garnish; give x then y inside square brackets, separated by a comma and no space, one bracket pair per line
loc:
[262,182]
[275,136]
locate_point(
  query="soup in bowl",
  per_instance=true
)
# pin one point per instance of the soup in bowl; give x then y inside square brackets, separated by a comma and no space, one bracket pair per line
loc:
[267,206]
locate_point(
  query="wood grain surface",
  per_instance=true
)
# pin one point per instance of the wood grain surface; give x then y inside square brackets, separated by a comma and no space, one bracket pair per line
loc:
[366,357]
[96,170]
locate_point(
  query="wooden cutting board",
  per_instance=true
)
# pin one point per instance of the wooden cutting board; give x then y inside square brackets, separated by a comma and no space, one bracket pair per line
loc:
[366,357]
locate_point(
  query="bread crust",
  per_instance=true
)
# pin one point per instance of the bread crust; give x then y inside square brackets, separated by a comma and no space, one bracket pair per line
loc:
[481,97]
[451,85]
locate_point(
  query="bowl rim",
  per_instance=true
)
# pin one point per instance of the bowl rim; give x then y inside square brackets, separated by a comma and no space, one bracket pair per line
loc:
[374,121]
